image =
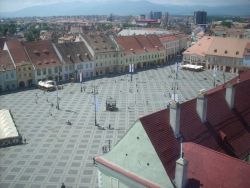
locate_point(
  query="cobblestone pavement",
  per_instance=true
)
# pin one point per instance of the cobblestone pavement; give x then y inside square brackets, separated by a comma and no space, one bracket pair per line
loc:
[56,152]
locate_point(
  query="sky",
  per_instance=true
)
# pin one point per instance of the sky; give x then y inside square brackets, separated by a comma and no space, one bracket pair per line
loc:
[13,5]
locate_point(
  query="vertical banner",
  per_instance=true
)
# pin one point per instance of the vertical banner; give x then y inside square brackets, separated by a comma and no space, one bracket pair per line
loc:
[214,72]
[80,76]
[132,69]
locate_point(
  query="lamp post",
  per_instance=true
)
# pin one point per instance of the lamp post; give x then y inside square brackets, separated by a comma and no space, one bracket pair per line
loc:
[81,80]
[95,103]
[57,99]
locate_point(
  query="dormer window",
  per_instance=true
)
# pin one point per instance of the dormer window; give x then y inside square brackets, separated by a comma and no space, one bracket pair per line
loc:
[45,51]
[215,50]
[225,51]
[237,53]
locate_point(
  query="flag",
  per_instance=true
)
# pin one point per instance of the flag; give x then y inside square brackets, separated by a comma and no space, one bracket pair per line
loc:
[132,69]
[80,76]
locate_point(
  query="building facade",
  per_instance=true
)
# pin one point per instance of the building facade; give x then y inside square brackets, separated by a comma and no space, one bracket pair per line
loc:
[8,79]
[23,65]
[143,51]
[200,17]
[47,66]
[227,54]
[76,60]
[105,52]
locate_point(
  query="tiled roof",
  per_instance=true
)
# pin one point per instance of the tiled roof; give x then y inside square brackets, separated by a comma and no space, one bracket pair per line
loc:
[161,136]
[74,52]
[100,42]
[42,53]
[233,124]
[139,43]
[201,47]
[208,168]
[5,61]
[167,38]
[17,52]
[228,47]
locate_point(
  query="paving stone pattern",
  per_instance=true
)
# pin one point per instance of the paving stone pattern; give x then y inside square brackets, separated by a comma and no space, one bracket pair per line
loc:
[56,152]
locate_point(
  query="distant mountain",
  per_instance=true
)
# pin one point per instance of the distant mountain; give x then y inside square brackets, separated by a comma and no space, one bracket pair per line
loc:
[122,8]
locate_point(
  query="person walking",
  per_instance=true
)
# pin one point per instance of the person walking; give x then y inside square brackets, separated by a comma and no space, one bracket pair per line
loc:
[63,186]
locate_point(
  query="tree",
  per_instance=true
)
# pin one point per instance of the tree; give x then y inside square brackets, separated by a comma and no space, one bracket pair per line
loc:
[32,34]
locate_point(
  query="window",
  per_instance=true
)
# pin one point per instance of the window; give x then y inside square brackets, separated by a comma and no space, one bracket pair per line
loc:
[90,65]
[38,72]
[7,76]
[44,71]
[114,183]
[66,68]
[12,75]
[49,71]
[29,68]
[30,75]
[24,68]
[71,67]
[60,69]
[56,69]
[87,66]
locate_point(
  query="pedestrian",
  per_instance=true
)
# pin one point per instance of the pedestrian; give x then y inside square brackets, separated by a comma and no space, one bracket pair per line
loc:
[24,140]
[63,186]
[109,126]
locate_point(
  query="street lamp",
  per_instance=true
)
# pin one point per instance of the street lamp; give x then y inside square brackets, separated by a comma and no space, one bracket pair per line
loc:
[95,101]
[57,99]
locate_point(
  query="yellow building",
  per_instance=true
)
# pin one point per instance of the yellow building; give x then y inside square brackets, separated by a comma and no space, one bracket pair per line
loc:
[24,67]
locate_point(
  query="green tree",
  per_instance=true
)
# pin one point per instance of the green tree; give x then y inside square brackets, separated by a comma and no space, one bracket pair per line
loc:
[32,34]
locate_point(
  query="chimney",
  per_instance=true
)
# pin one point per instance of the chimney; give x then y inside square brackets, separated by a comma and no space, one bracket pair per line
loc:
[201,105]
[230,92]
[175,117]
[181,172]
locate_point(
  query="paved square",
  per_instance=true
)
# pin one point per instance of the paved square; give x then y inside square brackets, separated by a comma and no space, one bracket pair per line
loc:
[56,152]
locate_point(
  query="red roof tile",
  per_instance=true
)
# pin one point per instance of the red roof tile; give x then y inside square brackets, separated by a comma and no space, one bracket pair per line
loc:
[208,168]
[17,52]
[42,53]
[233,123]
[161,136]
[140,43]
